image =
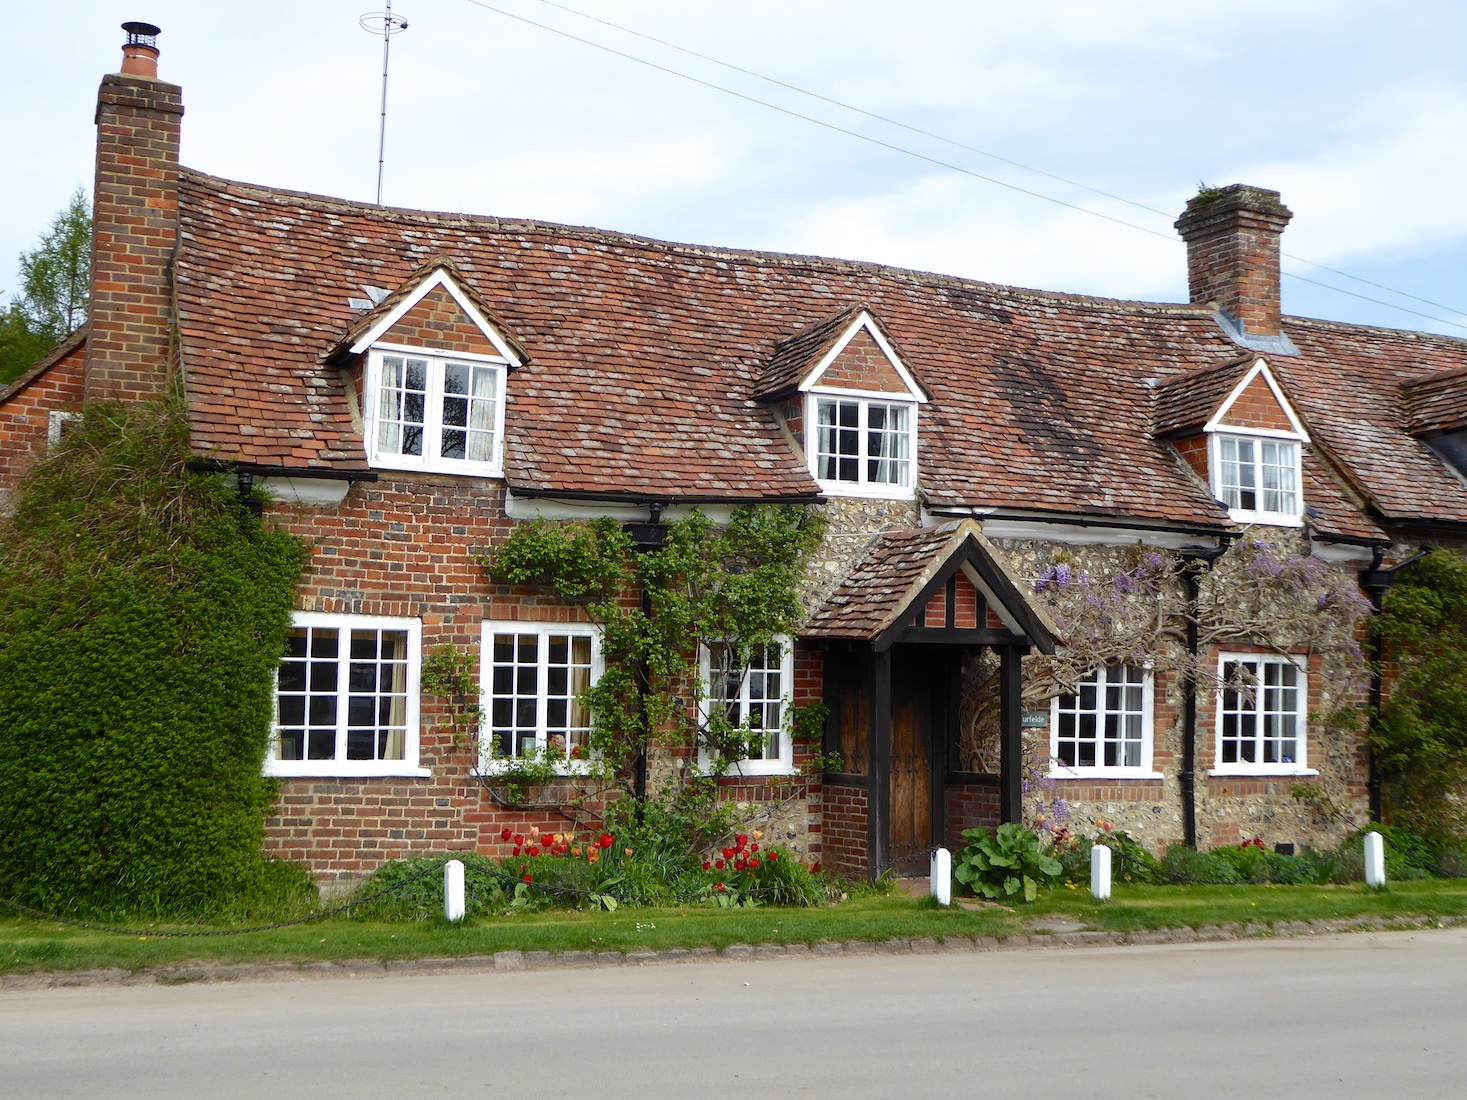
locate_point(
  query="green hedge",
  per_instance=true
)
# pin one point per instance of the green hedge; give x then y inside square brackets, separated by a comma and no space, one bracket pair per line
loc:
[142,611]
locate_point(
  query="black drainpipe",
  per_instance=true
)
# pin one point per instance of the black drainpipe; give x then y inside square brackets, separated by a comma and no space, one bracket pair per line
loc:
[1194,564]
[1376,582]
[646,537]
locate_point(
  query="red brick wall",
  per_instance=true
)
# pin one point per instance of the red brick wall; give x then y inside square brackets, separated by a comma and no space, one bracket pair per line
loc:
[134,230]
[25,416]
[969,806]
[862,365]
[406,546]
[1257,407]
[437,321]
[843,817]
[1194,450]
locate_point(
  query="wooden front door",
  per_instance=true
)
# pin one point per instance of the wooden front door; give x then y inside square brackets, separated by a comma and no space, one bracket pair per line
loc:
[916,695]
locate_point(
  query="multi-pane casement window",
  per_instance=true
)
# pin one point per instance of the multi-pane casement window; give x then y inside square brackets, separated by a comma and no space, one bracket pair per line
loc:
[346,697]
[863,445]
[535,676]
[753,697]
[1260,715]
[432,412]
[1104,727]
[1258,478]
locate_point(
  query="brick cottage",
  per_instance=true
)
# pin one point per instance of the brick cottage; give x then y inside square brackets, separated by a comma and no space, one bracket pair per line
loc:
[1012,481]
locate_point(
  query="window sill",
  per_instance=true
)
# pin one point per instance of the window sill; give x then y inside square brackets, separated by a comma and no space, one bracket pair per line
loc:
[494,771]
[456,469]
[1264,519]
[772,770]
[334,769]
[870,492]
[1063,773]
[1261,773]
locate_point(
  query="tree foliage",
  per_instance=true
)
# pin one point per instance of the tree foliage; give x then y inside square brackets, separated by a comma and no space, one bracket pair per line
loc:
[1421,739]
[55,284]
[143,610]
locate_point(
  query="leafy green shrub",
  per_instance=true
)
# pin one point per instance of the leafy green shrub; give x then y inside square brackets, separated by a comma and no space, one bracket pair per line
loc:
[418,883]
[143,610]
[1183,865]
[1005,863]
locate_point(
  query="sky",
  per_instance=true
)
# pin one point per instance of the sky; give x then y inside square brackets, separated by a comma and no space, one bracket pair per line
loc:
[1356,112]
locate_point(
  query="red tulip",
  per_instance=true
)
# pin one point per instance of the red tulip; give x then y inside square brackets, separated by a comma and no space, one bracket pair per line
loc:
[505,833]
[753,847]
[527,878]
[718,886]
[773,856]
[706,865]
[718,863]
[516,851]
[519,838]
[728,853]
[532,851]
[754,863]
[606,840]
[739,865]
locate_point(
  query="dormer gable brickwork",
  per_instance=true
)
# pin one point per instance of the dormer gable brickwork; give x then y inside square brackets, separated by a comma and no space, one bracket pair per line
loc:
[438,322]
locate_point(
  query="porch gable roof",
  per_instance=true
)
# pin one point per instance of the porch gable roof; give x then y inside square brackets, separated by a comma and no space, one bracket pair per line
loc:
[890,586]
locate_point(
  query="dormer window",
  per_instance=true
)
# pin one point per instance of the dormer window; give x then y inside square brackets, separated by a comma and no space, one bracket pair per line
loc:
[435,367]
[851,403]
[435,412]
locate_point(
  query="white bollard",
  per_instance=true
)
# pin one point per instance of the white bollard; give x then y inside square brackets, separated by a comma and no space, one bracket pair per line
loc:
[1100,872]
[453,889]
[942,876]
[1375,874]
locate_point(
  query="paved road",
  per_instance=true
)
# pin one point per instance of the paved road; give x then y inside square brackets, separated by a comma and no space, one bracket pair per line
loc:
[1379,1015]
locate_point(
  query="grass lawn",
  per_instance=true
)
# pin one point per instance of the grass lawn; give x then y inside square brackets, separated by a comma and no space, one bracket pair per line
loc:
[28,945]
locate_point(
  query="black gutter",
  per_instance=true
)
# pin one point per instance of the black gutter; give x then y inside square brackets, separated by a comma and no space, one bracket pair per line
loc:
[1376,582]
[1195,563]
[648,499]
[255,469]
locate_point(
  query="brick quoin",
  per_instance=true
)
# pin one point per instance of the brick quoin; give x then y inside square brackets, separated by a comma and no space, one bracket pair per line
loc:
[134,230]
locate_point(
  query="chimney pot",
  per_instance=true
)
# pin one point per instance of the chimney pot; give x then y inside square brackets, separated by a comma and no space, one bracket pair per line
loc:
[140,51]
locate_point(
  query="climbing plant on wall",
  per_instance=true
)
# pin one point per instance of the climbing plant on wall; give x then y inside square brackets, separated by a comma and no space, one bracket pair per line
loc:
[143,609]
[732,588]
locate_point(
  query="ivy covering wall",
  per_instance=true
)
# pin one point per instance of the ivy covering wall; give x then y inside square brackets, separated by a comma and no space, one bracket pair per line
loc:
[143,609]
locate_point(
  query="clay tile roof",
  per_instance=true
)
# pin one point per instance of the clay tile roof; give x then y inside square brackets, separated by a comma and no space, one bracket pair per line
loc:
[1183,404]
[795,357]
[1437,403]
[440,263]
[648,359]
[880,589]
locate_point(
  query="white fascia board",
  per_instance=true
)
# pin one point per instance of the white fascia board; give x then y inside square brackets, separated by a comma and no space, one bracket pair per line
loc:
[305,490]
[1089,536]
[914,391]
[1340,553]
[438,278]
[551,508]
[1259,367]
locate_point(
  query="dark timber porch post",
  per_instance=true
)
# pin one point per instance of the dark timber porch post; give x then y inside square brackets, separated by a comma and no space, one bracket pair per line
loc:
[878,795]
[1011,734]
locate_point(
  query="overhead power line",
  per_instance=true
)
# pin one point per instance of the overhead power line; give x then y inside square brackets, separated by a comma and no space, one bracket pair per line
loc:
[891,146]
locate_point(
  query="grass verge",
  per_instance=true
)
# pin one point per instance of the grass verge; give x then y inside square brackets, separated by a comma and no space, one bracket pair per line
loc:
[28,946]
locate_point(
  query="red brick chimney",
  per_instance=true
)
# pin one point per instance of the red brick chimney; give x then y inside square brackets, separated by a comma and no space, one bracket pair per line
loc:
[134,225]
[1232,237]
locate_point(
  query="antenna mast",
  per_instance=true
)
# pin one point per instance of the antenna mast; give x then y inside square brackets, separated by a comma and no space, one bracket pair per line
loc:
[387,24]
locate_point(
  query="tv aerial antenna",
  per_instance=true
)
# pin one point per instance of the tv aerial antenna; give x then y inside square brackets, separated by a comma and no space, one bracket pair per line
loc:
[386,24]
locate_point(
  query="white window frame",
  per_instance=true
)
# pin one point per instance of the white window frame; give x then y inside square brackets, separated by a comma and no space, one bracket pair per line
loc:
[340,767]
[1294,518]
[1144,770]
[1300,766]
[489,765]
[862,487]
[784,763]
[431,458]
